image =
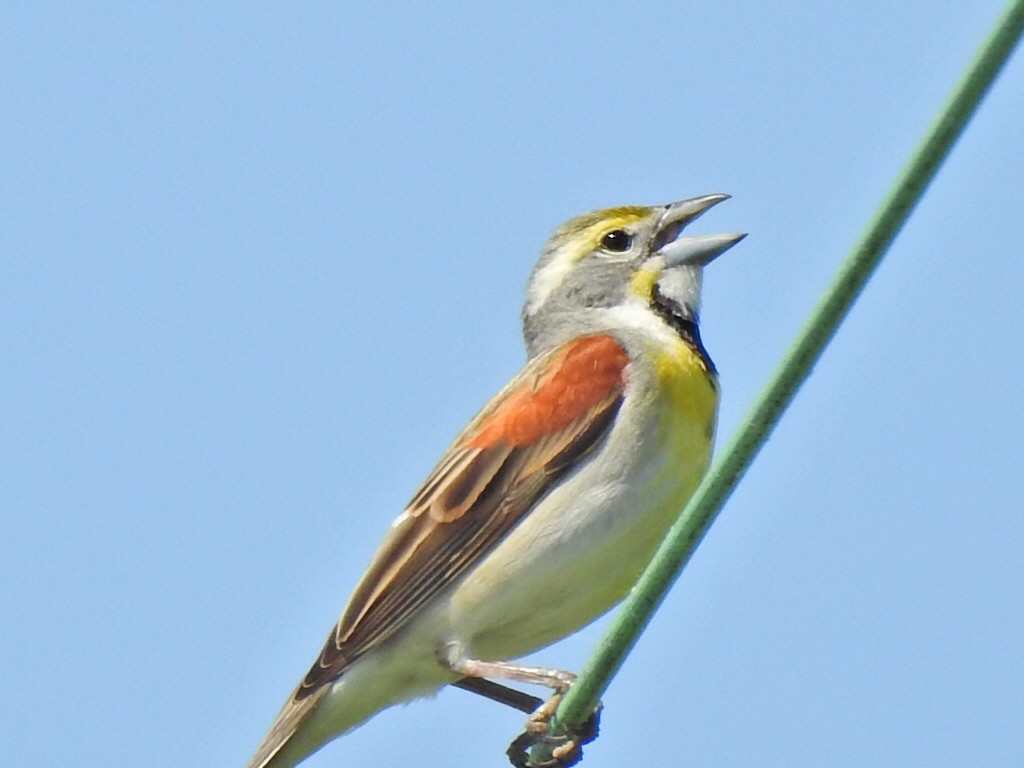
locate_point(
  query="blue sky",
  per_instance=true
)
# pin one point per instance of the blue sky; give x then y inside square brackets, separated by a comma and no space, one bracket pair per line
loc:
[259,265]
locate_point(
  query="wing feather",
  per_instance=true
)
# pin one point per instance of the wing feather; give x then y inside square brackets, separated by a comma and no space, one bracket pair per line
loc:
[539,427]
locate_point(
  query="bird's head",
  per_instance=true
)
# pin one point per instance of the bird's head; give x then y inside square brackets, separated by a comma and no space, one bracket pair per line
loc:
[633,255]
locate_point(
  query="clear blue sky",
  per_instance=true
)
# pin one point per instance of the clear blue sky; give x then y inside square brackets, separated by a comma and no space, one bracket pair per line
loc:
[259,263]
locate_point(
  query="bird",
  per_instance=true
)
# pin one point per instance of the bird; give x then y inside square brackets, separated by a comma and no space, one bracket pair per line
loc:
[545,509]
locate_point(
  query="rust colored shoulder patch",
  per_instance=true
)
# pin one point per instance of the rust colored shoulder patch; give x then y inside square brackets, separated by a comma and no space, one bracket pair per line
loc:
[582,374]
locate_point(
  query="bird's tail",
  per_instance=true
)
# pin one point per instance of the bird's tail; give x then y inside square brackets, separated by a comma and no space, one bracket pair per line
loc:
[379,680]
[277,749]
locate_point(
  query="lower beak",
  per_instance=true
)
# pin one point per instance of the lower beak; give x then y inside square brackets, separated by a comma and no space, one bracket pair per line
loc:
[698,250]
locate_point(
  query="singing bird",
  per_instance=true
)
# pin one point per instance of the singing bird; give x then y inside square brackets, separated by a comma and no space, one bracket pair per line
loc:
[545,509]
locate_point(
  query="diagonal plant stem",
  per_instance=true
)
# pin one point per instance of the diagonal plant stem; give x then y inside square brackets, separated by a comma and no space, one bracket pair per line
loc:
[687,532]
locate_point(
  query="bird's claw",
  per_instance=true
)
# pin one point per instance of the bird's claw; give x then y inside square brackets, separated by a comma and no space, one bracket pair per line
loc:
[566,750]
[537,722]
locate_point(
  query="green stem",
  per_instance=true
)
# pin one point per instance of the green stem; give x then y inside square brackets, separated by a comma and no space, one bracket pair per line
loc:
[684,536]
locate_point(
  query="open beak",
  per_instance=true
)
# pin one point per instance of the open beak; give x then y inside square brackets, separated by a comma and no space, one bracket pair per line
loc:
[697,250]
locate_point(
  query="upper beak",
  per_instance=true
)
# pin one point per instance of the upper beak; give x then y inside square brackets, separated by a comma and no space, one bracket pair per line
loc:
[697,250]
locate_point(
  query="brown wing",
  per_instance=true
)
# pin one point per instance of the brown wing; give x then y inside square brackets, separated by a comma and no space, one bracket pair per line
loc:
[551,415]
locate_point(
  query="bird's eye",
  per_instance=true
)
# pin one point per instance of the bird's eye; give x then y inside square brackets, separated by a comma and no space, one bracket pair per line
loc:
[617,241]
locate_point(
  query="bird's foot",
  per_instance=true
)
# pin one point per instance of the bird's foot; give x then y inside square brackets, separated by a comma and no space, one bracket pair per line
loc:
[563,749]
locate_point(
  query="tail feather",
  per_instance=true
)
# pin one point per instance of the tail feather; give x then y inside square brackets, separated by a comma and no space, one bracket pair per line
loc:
[381,679]
[292,715]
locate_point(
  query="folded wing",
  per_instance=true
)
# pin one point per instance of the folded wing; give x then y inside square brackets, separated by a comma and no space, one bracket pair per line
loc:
[552,414]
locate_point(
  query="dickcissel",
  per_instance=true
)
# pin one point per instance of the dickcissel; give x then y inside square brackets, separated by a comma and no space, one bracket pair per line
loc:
[545,509]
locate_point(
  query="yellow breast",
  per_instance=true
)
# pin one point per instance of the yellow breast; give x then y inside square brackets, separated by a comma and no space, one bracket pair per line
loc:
[688,398]
[685,383]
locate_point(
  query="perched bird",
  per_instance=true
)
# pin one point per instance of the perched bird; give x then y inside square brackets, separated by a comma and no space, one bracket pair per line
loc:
[545,509]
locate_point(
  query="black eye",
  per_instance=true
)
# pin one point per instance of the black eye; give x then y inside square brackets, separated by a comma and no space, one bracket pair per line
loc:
[617,241]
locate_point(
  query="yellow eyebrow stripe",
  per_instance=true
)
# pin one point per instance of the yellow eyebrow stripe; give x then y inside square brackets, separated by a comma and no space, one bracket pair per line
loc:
[584,232]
